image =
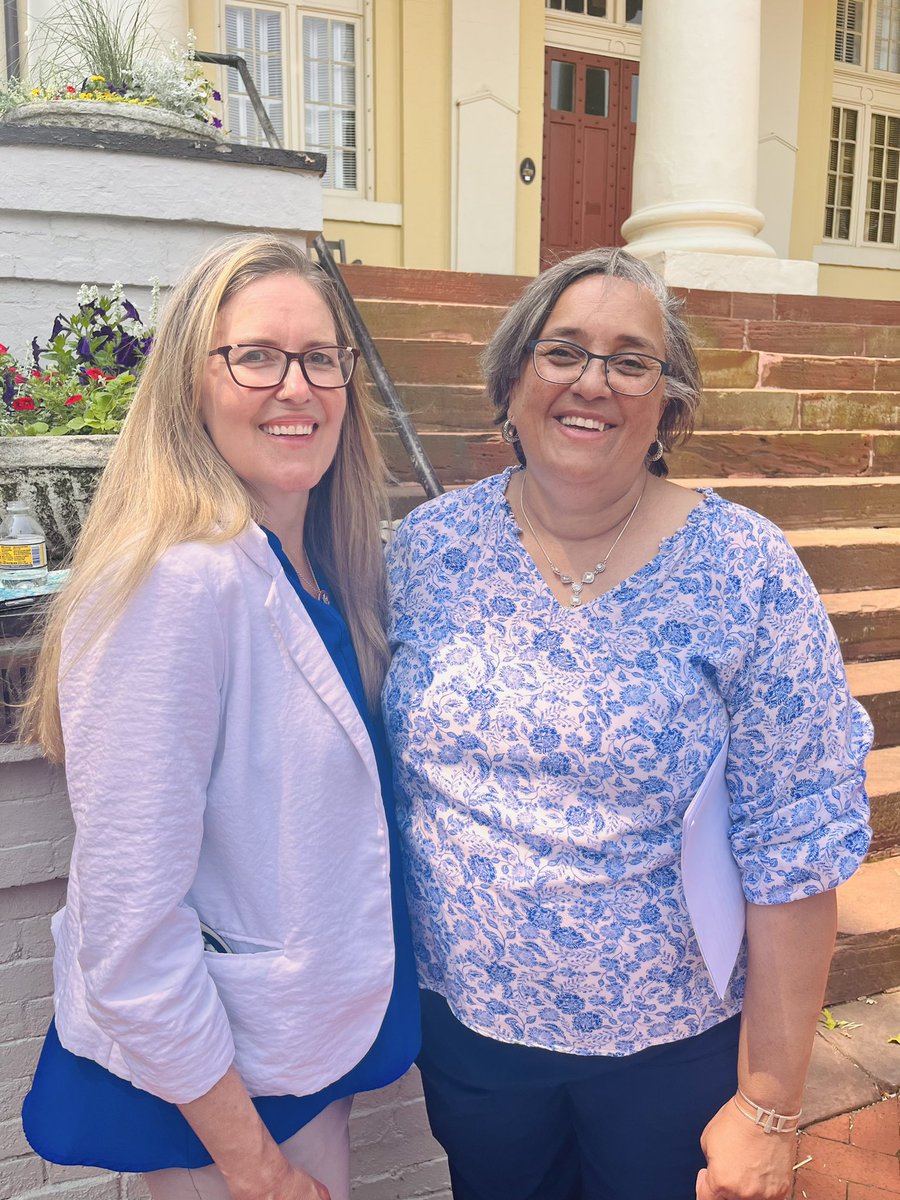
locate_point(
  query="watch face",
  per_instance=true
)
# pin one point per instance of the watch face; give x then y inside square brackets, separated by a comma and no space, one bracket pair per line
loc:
[213,942]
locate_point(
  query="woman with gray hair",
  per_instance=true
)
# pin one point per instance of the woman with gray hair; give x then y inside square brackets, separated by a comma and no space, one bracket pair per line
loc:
[578,645]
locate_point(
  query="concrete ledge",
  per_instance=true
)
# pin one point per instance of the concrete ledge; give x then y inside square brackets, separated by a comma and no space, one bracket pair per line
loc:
[139,143]
[735,272]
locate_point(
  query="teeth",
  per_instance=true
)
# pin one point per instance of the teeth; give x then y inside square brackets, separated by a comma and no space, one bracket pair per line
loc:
[584,423]
[293,430]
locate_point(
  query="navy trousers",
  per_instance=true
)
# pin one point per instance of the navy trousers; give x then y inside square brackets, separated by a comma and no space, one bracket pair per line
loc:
[520,1123]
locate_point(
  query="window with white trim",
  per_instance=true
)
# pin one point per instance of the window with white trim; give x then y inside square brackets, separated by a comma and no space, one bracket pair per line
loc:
[841,167]
[307,63]
[848,33]
[862,203]
[867,35]
[886,40]
[619,12]
[329,96]
[258,36]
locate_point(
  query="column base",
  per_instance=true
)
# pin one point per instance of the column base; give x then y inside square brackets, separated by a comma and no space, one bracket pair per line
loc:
[733,272]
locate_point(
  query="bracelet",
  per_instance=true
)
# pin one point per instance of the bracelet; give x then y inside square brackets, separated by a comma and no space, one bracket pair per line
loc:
[768,1119]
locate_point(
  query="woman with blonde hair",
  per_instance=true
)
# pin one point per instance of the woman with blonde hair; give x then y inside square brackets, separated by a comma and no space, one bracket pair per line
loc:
[233,960]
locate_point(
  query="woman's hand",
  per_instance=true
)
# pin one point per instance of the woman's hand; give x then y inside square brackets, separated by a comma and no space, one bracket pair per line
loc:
[743,1163]
[252,1165]
[288,1182]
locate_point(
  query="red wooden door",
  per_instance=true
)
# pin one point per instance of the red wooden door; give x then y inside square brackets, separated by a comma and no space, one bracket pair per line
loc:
[589,110]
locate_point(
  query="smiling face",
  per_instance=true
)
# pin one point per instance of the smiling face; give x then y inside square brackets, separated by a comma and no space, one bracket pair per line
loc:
[584,432]
[278,440]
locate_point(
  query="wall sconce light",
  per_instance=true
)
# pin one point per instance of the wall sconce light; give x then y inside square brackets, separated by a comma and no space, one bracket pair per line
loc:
[527,170]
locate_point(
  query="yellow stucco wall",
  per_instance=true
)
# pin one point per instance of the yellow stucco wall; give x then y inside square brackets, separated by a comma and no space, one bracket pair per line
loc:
[814,126]
[425,121]
[863,282]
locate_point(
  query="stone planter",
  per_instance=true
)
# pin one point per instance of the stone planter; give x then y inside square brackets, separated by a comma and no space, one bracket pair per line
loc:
[105,117]
[57,476]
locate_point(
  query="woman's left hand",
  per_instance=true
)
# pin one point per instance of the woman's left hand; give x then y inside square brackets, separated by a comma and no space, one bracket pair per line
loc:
[743,1163]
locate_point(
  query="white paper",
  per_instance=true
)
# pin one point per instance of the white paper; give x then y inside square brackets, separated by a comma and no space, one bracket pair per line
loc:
[711,877]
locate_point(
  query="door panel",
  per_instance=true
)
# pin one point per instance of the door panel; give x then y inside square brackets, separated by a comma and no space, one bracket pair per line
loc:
[588,151]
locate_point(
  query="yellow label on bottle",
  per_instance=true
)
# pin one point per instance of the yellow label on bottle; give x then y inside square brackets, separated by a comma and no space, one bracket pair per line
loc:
[25,557]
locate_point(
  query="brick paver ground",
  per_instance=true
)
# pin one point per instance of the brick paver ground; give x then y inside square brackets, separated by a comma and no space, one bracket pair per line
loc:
[855,1156]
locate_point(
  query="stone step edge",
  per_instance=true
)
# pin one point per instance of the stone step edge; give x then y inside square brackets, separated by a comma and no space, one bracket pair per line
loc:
[706,351]
[867,951]
[883,787]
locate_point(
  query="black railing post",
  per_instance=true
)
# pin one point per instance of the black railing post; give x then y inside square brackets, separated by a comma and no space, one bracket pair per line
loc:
[240,65]
[399,416]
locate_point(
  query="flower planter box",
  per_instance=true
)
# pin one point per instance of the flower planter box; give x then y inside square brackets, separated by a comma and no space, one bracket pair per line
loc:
[104,117]
[57,476]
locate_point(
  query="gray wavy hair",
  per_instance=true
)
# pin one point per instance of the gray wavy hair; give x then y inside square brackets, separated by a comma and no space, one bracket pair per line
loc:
[505,356]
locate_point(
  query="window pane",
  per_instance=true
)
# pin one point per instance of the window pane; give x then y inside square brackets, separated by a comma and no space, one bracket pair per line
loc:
[596,92]
[255,34]
[882,178]
[887,36]
[635,86]
[591,8]
[848,32]
[329,97]
[562,86]
[841,161]
[634,12]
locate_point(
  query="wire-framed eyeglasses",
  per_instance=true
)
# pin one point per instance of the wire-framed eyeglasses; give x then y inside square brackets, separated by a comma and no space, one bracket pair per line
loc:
[628,372]
[252,366]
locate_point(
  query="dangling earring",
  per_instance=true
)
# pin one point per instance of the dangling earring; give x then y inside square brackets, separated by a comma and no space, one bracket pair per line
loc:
[656,451]
[509,433]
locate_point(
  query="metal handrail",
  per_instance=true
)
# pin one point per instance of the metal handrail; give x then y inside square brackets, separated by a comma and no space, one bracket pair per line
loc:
[11,33]
[240,65]
[400,419]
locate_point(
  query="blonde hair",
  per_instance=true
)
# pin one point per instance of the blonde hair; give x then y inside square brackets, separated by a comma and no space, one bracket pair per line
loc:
[166,482]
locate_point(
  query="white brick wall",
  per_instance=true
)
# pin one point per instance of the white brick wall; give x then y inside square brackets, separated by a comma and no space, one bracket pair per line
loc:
[394,1155]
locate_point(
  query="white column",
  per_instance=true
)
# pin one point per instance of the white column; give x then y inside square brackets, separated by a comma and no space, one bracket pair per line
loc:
[695,167]
[485,95]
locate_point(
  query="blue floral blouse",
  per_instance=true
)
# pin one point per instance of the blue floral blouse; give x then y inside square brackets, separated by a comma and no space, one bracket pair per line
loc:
[545,756]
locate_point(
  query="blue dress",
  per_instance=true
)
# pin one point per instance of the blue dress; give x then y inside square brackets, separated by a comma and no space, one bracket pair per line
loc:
[78,1113]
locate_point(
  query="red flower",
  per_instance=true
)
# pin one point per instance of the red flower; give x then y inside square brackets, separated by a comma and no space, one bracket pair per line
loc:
[94,373]
[35,374]
[3,349]
[17,378]
[74,399]
[23,404]
[70,89]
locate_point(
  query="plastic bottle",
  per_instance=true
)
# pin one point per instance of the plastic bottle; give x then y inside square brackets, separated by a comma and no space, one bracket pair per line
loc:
[23,548]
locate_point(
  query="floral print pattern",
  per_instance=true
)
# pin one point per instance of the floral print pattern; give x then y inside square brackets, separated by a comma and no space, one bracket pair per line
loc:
[545,757]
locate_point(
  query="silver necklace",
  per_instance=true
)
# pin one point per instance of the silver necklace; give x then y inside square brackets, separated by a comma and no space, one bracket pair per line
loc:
[577,585]
[319,593]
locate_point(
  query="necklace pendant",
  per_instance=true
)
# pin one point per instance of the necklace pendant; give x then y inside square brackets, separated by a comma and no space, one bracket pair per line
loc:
[588,577]
[576,589]
[600,568]
[566,579]
[575,599]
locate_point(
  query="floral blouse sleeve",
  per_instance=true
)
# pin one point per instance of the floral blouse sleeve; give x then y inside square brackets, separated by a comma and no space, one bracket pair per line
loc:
[798,739]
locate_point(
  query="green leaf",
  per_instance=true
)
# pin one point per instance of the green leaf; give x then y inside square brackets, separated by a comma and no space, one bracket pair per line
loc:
[831,1023]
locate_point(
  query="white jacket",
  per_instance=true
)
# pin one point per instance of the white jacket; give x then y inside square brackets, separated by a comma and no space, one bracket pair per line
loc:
[218,769]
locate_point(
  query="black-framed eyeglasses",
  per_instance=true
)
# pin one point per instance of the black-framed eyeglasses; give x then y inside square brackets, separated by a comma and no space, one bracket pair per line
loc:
[628,372]
[252,366]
